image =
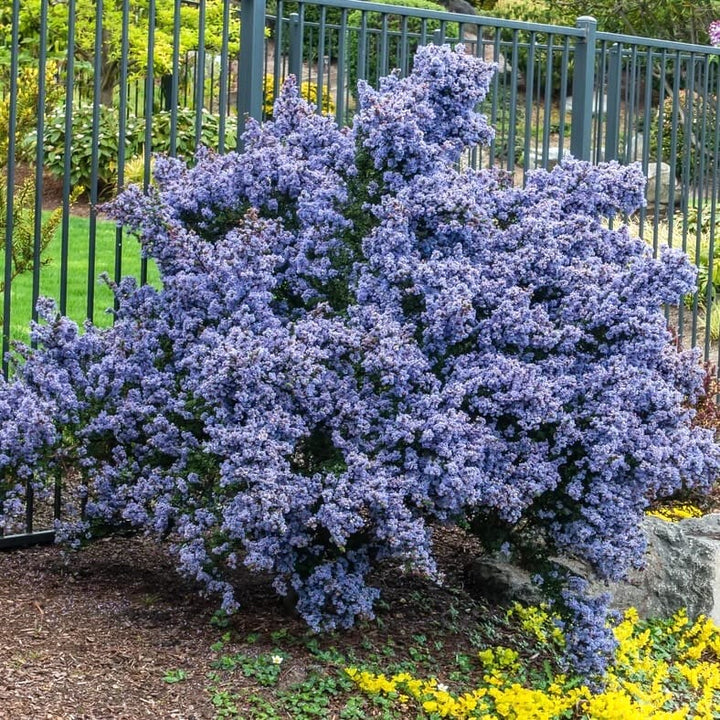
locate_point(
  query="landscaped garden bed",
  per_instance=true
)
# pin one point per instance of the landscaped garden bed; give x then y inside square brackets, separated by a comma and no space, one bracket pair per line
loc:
[361,361]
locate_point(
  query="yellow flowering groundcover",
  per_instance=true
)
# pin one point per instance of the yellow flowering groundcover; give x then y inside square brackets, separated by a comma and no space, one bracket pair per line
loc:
[663,670]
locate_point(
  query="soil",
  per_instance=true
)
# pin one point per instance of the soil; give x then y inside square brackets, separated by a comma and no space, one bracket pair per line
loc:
[52,190]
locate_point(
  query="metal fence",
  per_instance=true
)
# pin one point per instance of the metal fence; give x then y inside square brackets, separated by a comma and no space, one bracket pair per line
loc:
[83,111]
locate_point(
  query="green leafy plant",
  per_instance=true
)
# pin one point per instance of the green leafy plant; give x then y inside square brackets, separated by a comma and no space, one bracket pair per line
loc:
[519,42]
[265,669]
[185,138]
[109,142]
[175,676]
[691,146]
[82,145]
[23,228]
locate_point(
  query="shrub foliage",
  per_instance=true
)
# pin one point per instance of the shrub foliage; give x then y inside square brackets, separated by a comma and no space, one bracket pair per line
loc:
[355,342]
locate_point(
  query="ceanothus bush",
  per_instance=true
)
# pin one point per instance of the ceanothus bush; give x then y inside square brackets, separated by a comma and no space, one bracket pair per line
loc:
[355,342]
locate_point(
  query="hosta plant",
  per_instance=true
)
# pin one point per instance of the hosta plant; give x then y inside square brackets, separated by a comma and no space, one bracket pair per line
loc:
[356,342]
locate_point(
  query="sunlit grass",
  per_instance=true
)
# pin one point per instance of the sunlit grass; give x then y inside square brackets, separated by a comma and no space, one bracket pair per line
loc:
[78,275]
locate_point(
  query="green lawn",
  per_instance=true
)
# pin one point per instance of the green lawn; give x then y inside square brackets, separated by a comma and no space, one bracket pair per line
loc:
[77,274]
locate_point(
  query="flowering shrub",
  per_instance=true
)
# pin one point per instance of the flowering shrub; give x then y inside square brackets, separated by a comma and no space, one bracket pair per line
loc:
[714,33]
[661,670]
[354,341]
[308,91]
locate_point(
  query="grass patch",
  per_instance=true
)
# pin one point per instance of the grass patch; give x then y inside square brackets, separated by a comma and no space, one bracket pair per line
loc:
[78,273]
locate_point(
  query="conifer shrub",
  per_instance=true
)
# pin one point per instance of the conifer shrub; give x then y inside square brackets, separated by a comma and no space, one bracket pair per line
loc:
[356,342]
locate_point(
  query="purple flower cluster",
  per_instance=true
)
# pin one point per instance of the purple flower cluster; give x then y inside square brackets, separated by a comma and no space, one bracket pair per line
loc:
[356,341]
[714,33]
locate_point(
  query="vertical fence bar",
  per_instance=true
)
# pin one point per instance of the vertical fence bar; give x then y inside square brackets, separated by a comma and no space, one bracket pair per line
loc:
[94,159]
[547,92]
[295,47]
[612,122]
[583,85]
[10,179]
[512,110]
[174,83]
[563,95]
[252,51]
[699,182]
[69,89]
[149,98]
[224,76]
[39,157]
[529,90]
[710,300]
[122,128]
[321,90]
[362,47]
[341,67]
[200,74]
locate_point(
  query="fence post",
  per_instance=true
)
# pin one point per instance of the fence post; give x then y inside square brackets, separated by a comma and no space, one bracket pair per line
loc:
[583,87]
[295,49]
[612,118]
[251,62]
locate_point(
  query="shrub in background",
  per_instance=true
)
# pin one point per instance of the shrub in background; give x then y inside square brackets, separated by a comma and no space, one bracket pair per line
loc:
[693,147]
[332,17]
[109,141]
[82,145]
[185,143]
[23,206]
[418,33]
[355,342]
[545,13]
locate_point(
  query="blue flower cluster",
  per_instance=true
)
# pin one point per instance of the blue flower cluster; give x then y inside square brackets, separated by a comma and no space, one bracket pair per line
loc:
[357,341]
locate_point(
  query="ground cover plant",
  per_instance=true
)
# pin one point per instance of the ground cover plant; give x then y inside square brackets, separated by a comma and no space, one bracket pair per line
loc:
[357,342]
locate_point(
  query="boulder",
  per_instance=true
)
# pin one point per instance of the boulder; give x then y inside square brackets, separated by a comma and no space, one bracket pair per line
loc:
[659,183]
[536,157]
[682,570]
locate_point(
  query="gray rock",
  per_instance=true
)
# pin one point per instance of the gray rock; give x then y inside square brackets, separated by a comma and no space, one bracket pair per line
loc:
[500,581]
[536,157]
[659,183]
[459,6]
[682,570]
[599,104]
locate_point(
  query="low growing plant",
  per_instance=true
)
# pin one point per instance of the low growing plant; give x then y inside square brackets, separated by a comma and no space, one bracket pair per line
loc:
[355,342]
[662,670]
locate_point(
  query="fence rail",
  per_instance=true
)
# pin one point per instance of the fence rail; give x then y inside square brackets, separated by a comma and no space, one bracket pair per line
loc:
[82,112]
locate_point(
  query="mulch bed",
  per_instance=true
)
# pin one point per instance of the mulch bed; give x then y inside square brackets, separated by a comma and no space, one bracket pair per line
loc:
[93,634]
[90,635]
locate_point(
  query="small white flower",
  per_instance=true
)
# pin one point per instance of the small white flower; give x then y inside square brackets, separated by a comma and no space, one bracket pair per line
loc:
[276,659]
[442,687]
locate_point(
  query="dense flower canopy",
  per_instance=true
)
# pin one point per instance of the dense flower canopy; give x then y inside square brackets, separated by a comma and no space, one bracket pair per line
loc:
[355,341]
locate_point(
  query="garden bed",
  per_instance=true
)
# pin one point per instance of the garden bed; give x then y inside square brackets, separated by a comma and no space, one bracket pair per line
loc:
[114,632]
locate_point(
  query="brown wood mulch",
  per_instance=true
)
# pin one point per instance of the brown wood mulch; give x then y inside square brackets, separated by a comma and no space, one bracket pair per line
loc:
[93,636]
